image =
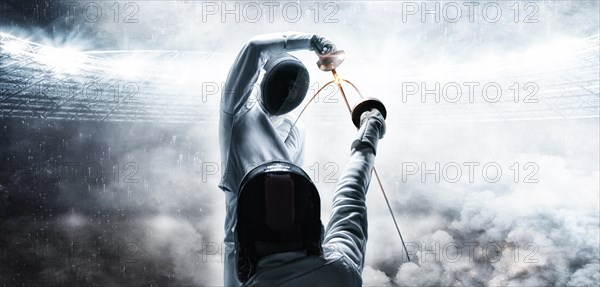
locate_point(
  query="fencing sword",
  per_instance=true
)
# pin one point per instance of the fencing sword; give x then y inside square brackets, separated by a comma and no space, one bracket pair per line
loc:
[328,63]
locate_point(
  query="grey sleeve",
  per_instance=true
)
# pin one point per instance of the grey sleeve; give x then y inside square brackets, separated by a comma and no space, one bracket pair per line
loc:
[346,232]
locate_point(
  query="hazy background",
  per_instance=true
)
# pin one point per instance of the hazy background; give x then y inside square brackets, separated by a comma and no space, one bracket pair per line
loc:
[154,215]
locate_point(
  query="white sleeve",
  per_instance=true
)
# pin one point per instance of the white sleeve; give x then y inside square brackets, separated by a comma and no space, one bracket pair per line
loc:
[246,68]
[244,74]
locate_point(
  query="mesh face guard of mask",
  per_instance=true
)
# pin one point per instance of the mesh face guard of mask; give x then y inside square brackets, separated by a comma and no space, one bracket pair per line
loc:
[284,84]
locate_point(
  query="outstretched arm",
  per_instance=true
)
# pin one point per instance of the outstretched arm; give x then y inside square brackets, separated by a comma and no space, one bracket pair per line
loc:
[347,228]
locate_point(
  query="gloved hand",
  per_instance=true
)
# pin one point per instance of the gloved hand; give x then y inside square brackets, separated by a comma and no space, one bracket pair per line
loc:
[376,114]
[372,128]
[321,45]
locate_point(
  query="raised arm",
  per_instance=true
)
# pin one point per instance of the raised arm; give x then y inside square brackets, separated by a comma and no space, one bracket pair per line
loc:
[347,228]
[246,68]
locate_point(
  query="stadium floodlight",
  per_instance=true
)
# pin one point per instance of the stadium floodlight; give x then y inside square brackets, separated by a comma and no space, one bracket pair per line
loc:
[61,60]
[14,47]
[168,81]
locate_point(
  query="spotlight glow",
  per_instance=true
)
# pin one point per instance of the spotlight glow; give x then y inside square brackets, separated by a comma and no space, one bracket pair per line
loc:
[62,60]
[14,47]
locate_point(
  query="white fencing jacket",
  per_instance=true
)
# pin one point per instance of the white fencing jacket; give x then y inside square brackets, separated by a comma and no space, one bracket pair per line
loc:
[249,137]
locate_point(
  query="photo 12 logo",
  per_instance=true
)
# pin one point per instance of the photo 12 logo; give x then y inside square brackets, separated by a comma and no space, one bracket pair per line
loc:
[211,92]
[491,252]
[320,172]
[470,92]
[97,11]
[453,12]
[90,172]
[453,172]
[117,92]
[270,11]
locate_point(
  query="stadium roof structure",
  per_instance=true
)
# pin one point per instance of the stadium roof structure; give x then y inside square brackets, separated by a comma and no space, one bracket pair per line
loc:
[38,81]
